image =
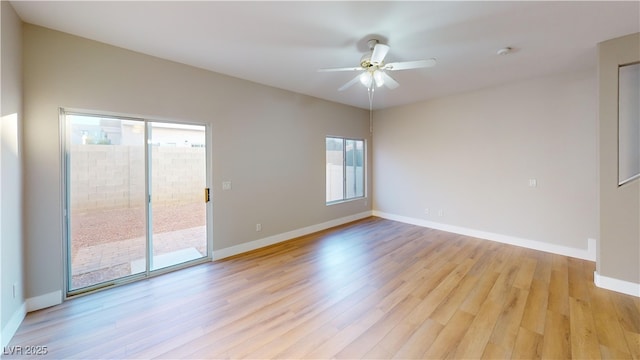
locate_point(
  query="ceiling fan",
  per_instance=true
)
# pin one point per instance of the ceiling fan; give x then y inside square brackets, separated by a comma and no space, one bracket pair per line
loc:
[374,69]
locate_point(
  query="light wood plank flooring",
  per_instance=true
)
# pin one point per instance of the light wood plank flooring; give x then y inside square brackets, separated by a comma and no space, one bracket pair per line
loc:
[373,289]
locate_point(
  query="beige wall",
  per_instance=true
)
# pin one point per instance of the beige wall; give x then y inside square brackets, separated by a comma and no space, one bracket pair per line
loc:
[11,234]
[251,125]
[619,247]
[472,156]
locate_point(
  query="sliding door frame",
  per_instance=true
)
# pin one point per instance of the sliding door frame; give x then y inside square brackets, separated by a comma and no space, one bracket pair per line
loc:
[66,202]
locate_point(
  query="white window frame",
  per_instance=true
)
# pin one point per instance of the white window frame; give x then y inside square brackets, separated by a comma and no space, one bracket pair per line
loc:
[344,170]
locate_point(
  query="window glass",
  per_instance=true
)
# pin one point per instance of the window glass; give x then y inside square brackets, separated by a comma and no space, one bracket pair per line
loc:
[345,169]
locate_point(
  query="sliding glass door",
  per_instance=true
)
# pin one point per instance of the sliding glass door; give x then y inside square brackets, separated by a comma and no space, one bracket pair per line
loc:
[177,182]
[134,199]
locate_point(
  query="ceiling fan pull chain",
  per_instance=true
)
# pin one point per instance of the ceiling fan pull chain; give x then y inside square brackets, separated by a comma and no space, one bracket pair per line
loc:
[370,91]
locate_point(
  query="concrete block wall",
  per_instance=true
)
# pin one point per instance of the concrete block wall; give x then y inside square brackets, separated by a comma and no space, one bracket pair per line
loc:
[178,174]
[113,176]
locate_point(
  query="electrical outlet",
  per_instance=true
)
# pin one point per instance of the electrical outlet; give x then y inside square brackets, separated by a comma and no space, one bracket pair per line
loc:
[226,185]
[427,211]
[15,290]
[440,212]
[258,227]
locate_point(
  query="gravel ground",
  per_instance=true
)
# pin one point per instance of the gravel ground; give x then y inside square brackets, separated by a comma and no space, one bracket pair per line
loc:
[103,226]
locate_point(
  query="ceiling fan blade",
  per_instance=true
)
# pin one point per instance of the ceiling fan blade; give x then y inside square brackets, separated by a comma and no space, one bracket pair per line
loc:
[356,68]
[389,81]
[350,83]
[379,52]
[405,65]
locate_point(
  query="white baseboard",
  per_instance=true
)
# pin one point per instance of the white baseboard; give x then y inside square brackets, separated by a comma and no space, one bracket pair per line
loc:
[31,304]
[589,254]
[44,301]
[12,326]
[256,244]
[621,286]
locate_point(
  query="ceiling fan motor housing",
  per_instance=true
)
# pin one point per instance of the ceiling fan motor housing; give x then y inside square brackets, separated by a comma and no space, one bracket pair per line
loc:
[365,61]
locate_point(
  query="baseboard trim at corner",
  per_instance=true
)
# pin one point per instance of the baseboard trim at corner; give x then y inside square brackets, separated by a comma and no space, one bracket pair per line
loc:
[617,285]
[12,326]
[31,304]
[588,254]
[278,238]
[44,301]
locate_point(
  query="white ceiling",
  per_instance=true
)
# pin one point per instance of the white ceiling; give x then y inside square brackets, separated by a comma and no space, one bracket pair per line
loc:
[282,44]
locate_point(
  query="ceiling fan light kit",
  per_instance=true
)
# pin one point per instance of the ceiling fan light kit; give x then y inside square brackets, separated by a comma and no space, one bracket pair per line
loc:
[369,78]
[379,79]
[365,79]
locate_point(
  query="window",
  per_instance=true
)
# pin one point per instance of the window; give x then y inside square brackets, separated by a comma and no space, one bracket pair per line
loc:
[345,169]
